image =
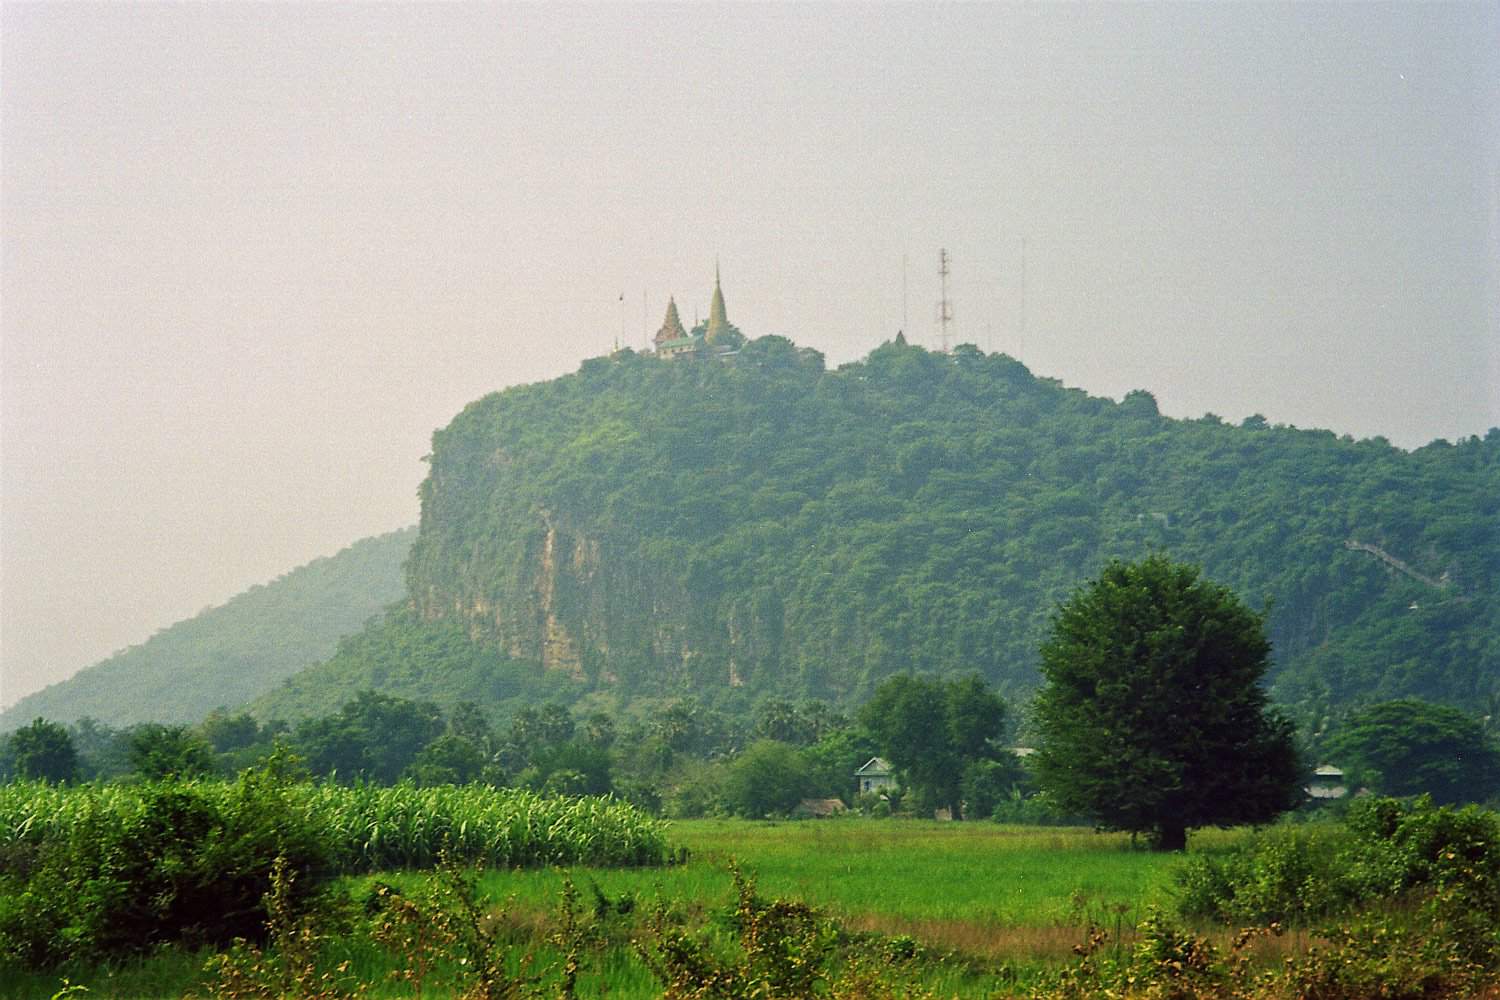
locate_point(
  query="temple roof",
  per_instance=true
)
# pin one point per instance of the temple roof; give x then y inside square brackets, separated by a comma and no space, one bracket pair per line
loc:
[671,326]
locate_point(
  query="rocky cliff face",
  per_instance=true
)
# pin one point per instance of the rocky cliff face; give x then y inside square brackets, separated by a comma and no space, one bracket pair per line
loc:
[601,610]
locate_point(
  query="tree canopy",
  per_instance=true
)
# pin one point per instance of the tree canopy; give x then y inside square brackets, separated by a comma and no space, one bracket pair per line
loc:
[768,778]
[157,751]
[1152,716]
[44,750]
[933,730]
[1411,747]
[375,737]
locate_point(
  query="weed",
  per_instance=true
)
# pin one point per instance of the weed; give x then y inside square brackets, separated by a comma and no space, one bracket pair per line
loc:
[289,969]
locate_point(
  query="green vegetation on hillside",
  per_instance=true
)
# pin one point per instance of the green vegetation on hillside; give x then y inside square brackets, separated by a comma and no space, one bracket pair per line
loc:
[230,654]
[646,527]
[402,656]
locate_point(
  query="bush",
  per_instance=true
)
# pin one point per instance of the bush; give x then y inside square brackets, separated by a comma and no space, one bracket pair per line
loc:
[1445,858]
[782,950]
[101,870]
[1407,843]
[170,862]
[988,784]
[1287,875]
[1039,809]
[769,778]
[694,789]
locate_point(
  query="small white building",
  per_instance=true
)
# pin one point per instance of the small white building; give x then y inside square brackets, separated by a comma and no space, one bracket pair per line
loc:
[1327,783]
[875,775]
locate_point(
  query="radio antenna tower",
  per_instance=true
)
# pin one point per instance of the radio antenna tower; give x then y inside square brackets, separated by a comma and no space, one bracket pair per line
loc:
[1022,348]
[945,308]
[904,321]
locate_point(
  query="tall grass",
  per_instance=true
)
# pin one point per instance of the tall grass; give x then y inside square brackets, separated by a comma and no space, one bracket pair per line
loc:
[375,829]
[369,828]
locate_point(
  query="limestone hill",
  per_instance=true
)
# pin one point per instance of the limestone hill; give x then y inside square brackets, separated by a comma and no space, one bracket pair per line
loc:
[649,528]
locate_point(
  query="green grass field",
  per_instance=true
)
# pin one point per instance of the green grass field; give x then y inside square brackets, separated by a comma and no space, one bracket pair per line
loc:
[899,874]
[1004,899]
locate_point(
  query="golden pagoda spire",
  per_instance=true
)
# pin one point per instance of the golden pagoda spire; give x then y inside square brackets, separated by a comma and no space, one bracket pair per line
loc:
[718,318]
[671,326]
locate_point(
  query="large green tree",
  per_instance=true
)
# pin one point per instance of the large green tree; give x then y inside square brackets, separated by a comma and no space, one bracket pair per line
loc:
[157,751]
[374,737]
[769,777]
[1152,716]
[1408,747]
[44,750]
[933,730]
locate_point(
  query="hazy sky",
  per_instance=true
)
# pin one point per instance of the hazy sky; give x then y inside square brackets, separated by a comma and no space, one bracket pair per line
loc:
[254,255]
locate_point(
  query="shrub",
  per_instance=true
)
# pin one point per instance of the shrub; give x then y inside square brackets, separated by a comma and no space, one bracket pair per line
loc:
[166,862]
[1442,861]
[768,778]
[290,968]
[1039,809]
[104,870]
[443,931]
[782,950]
[1287,875]
[785,948]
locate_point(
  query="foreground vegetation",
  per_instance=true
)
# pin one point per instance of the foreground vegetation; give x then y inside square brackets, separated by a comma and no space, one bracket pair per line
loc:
[104,871]
[1409,906]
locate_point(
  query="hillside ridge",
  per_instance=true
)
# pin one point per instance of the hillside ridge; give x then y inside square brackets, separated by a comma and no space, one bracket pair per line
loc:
[231,653]
[764,525]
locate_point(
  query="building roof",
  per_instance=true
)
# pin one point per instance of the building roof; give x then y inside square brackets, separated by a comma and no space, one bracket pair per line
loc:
[874,767]
[671,327]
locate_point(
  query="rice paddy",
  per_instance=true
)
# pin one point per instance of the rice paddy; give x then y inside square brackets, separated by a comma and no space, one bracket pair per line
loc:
[981,888]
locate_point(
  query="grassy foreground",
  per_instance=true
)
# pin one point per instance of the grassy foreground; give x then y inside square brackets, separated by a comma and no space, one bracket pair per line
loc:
[982,888]
[1008,897]
[1398,899]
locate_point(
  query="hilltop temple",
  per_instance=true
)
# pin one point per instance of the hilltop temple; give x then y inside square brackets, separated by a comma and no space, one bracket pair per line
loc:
[715,337]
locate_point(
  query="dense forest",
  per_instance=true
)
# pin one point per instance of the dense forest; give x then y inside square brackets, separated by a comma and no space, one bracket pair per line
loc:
[647,529]
[230,654]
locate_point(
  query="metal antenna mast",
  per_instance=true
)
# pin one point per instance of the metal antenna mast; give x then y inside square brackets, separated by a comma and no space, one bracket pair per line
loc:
[904,321]
[945,308]
[1022,348]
